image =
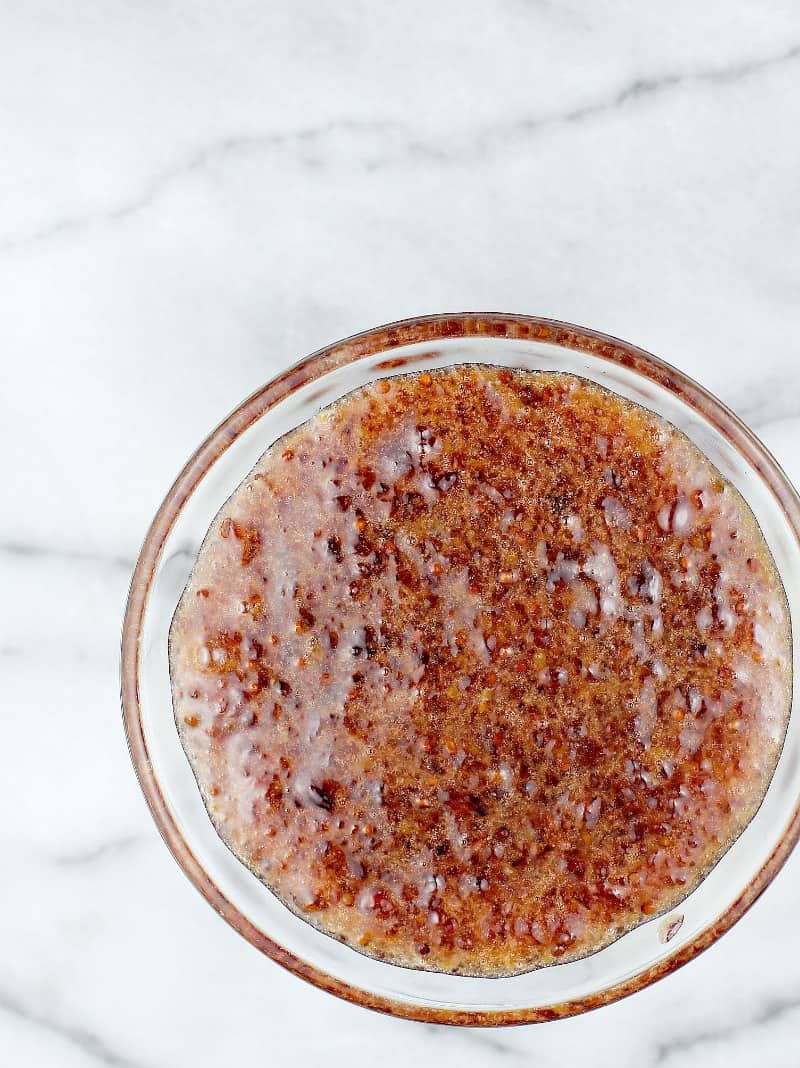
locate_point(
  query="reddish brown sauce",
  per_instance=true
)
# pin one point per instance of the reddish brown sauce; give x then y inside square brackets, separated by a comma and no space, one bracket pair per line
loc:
[479,669]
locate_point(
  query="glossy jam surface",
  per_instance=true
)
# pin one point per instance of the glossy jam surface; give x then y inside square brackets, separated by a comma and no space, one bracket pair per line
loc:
[479,669]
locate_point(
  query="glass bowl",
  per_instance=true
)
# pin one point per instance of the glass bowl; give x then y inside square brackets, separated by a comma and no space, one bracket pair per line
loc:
[213,472]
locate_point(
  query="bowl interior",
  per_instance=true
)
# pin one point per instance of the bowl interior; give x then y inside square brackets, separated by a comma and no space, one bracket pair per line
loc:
[637,958]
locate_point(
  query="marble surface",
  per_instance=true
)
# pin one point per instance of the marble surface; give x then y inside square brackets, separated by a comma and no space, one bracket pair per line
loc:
[194,194]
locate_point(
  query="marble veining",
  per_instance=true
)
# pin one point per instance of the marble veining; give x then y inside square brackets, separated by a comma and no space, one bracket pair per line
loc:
[703,1043]
[316,148]
[194,195]
[93,1049]
[101,852]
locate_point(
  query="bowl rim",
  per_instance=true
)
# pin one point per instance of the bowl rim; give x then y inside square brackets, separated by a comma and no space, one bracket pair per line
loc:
[422,330]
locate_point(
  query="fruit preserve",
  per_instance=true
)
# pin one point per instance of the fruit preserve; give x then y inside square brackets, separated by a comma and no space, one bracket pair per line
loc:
[479,669]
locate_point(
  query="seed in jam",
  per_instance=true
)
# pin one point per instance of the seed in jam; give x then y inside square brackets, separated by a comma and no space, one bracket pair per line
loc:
[480,669]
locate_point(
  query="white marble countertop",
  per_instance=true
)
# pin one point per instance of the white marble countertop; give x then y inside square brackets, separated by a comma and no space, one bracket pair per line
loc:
[193,195]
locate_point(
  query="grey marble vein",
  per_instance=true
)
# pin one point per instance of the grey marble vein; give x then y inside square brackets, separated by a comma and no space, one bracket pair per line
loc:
[642,88]
[100,852]
[55,552]
[308,144]
[667,1052]
[159,183]
[89,1043]
[767,401]
[719,75]
[762,425]
[485,1040]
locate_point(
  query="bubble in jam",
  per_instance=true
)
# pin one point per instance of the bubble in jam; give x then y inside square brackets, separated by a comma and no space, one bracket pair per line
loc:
[479,669]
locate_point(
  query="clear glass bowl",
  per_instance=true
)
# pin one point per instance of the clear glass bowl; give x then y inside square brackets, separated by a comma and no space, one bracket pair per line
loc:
[221,462]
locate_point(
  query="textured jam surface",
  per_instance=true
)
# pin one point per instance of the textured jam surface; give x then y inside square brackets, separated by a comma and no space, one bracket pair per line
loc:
[479,669]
